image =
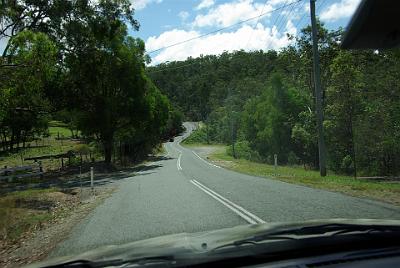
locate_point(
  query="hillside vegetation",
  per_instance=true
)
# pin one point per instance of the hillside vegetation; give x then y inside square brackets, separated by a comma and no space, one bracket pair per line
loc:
[261,103]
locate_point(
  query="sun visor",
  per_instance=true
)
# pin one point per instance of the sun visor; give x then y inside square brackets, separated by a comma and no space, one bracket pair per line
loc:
[374,25]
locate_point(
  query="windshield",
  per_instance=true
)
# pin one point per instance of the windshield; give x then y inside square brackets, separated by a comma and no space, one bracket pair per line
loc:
[127,120]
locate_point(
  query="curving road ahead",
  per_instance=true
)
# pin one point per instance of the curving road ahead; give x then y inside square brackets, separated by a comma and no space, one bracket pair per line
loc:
[182,192]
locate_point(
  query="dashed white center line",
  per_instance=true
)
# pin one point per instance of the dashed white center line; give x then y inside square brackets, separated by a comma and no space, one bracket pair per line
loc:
[166,148]
[243,213]
[178,162]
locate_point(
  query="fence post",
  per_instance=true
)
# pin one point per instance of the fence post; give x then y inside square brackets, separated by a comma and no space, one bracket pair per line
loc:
[91,179]
[6,173]
[41,169]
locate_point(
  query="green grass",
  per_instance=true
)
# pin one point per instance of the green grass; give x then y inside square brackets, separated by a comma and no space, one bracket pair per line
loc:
[48,146]
[31,193]
[379,190]
[55,123]
[198,144]
[14,220]
[61,128]
[62,131]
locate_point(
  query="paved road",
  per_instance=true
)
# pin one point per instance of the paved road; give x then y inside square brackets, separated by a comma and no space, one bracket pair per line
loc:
[184,193]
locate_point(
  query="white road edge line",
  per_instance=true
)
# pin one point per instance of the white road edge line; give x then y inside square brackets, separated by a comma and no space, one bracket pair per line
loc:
[211,164]
[178,162]
[246,215]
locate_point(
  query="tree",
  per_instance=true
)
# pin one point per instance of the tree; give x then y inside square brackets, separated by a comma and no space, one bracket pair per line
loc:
[107,74]
[24,105]
[342,111]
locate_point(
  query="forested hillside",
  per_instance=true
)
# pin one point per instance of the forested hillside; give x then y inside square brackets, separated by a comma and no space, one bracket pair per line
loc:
[262,102]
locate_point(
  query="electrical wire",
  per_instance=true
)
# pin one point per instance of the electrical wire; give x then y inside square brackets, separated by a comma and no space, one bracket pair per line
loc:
[287,17]
[221,29]
[321,4]
[189,64]
[301,19]
[258,19]
[281,15]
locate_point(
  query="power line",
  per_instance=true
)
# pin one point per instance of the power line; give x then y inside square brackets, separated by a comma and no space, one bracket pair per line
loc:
[258,19]
[278,16]
[301,19]
[224,28]
[322,3]
[286,5]
[278,20]
[288,16]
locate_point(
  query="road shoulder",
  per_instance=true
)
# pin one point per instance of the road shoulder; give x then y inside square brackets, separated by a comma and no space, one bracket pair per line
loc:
[66,211]
[384,191]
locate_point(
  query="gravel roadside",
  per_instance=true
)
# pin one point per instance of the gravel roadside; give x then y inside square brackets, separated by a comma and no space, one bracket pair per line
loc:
[71,208]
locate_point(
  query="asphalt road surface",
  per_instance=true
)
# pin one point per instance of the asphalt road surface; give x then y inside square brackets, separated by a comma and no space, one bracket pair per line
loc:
[182,192]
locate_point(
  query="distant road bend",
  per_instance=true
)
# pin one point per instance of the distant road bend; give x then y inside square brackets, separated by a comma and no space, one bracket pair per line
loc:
[185,193]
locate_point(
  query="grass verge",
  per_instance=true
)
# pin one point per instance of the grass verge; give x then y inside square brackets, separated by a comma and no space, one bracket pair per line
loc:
[46,146]
[24,211]
[387,191]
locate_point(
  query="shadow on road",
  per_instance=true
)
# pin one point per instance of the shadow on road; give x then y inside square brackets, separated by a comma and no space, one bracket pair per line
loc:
[71,178]
[145,167]
[156,158]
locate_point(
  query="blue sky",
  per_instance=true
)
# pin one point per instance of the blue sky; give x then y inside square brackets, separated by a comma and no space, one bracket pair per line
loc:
[165,22]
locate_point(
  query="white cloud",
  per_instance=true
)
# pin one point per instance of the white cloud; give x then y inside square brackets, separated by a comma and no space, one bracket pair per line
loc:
[141,4]
[276,2]
[183,15]
[261,38]
[229,13]
[342,9]
[205,4]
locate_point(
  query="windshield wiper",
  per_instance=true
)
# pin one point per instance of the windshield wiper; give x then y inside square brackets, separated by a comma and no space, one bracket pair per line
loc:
[334,228]
[301,232]
[116,262]
[85,263]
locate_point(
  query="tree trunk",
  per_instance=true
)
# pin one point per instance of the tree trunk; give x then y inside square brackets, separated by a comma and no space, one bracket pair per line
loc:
[353,147]
[12,141]
[4,142]
[208,136]
[108,145]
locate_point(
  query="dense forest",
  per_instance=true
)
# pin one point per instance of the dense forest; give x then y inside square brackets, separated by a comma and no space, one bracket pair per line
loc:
[262,103]
[74,61]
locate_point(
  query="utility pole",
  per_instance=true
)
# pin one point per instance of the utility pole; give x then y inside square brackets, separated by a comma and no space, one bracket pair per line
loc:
[318,93]
[231,122]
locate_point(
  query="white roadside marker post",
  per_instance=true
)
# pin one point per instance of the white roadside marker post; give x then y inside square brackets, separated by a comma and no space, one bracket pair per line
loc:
[91,179]
[276,161]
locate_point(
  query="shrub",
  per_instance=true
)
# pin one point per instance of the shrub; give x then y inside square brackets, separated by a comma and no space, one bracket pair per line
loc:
[197,136]
[243,150]
[82,149]
[293,159]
